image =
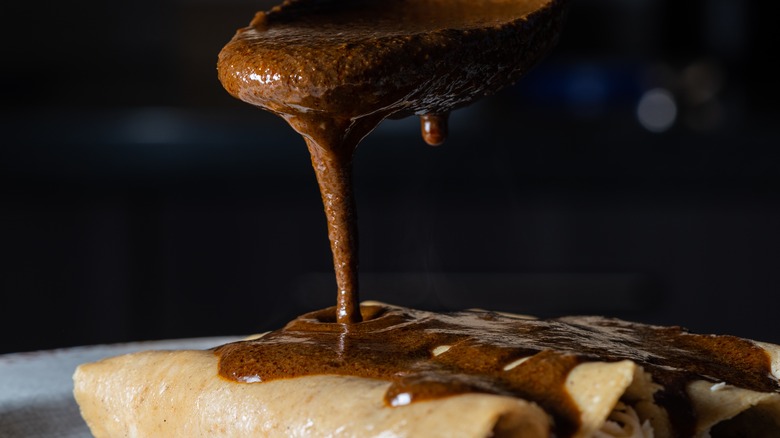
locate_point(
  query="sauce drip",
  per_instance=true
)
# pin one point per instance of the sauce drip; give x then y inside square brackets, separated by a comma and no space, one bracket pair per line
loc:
[428,355]
[334,69]
[434,128]
[334,176]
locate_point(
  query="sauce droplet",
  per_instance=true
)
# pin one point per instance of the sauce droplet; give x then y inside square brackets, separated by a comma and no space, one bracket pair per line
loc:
[434,128]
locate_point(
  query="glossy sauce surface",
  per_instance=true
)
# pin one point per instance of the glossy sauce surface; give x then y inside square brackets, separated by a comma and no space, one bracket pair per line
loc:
[334,69]
[428,355]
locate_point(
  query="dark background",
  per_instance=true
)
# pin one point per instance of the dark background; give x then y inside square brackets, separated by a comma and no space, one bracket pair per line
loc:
[138,200]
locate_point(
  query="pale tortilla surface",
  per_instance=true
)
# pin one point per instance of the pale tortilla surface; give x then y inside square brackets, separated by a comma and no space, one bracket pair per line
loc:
[179,394]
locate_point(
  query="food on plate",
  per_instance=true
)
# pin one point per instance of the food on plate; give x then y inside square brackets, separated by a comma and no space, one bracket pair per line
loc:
[334,69]
[404,372]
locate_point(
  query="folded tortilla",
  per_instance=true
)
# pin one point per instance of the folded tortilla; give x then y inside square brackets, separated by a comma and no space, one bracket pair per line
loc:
[728,411]
[180,394]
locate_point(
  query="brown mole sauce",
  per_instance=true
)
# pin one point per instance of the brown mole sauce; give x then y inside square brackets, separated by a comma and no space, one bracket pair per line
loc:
[399,345]
[334,69]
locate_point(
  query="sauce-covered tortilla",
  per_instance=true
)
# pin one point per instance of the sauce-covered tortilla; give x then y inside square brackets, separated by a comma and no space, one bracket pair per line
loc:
[428,355]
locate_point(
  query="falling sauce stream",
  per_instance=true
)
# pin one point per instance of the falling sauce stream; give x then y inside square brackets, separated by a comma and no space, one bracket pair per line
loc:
[334,176]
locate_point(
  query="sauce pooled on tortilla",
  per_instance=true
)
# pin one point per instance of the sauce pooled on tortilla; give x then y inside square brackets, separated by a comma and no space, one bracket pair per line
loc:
[334,69]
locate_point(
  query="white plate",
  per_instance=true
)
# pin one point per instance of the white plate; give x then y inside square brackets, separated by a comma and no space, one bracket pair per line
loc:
[36,398]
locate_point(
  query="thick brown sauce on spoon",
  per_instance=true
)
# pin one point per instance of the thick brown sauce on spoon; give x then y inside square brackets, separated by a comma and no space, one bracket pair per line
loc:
[334,69]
